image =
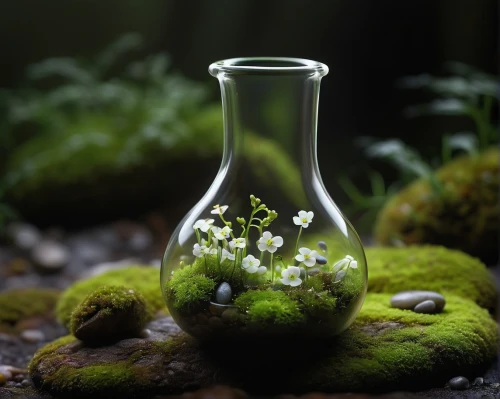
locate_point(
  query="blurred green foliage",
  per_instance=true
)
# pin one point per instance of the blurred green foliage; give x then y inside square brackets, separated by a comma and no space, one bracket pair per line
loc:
[467,93]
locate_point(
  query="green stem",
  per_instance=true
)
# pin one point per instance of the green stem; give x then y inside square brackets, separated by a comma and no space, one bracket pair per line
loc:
[206,267]
[296,246]
[198,236]
[272,268]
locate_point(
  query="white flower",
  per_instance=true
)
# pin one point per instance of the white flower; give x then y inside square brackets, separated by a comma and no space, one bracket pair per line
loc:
[269,243]
[291,276]
[250,264]
[303,219]
[261,270]
[219,209]
[203,224]
[238,243]
[201,250]
[227,254]
[307,256]
[197,250]
[343,265]
[221,234]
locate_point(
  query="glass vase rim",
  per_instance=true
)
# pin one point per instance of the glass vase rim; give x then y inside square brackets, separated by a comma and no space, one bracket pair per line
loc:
[250,65]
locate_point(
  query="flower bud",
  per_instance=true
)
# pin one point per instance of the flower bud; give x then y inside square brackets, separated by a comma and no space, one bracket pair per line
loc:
[241,221]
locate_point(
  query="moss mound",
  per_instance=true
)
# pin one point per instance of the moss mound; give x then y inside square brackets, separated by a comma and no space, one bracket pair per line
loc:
[464,216]
[109,314]
[20,304]
[141,279]
[385,349]
[431,268]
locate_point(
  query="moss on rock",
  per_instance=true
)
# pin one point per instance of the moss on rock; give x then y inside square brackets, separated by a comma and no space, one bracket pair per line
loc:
[109,314]
[20,304]
[143,280]
[431,268]
[385,349]
[463,216]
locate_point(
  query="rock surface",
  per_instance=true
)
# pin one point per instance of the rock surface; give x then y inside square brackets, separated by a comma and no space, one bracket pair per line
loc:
[374,355]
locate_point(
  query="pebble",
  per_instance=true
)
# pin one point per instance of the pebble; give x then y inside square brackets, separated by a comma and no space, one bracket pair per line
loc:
[6,372]
[425,307]
[230,315]
[51,256]
[223,294]
[410,299]
[32,336]
[215,321]
[146,333]
[478,381]
[459,383]
[321,260]
[25,236]
[322,246]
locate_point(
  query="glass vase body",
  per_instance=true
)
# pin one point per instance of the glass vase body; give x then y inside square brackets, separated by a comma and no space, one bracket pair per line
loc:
[288,263]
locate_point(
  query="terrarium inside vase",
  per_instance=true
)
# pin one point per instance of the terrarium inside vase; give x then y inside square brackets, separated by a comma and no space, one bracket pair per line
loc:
[265,252]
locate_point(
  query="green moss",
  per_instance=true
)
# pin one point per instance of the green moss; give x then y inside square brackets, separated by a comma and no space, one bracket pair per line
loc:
[20,304]
[430,268]
[269,308]
[190,293]
[110,313]
[141,279]
[386,349]
[465,216]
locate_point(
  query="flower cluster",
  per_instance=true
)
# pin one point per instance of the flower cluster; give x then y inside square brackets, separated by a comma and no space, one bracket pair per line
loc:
[222,242]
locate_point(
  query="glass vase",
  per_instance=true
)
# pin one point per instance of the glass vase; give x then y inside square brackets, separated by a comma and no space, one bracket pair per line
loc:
[266,252]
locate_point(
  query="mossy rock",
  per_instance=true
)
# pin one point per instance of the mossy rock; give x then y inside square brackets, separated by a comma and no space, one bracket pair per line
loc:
[109,314]
[463,216]
[142,279]
[385,349]
[431,268]
[21,304]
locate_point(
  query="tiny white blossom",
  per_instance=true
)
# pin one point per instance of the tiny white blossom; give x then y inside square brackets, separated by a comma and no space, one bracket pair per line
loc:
[208,250]
[201,250]
[250,264]
[221,234]
[197,250]
[291,276]
[303,219]
[269,243]
[203,224]
[261,270]
[238,243]
[227,254]
[219,209]
[307,256]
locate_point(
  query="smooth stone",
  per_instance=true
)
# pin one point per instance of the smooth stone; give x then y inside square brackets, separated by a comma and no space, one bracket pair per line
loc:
[230,315]
[478,381]
[32,336]
[215,322]
[25,383]
[25,236]
[425,307]
[410,299]
[322,246]
[223,294]
[459,383]
[321,260]
[51,256]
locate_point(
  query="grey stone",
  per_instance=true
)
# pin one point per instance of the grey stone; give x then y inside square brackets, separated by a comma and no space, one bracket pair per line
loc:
[410,299]
[322,246]
[50,256]
[223,294]
[459,383]
[425,307]
[478,381]
[321,260]
[25,383]
[23,235]
[32,336]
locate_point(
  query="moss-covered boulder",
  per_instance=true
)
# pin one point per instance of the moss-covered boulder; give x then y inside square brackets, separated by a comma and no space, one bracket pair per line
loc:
[21,304]
[431,268]
[386,349]
[108,314]
[463,215]
[142,279]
